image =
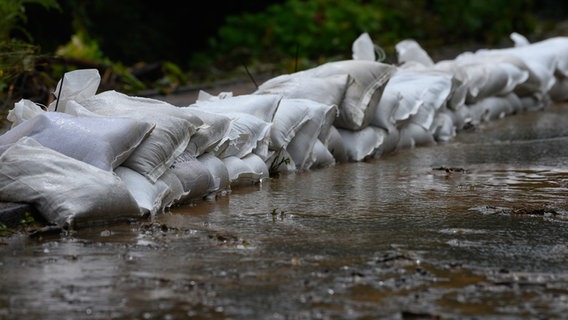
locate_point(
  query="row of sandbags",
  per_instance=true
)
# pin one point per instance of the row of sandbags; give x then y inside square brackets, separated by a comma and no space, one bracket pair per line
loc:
[91,158]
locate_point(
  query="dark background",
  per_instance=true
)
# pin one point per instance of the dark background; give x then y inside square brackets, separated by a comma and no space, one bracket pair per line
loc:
[133,30]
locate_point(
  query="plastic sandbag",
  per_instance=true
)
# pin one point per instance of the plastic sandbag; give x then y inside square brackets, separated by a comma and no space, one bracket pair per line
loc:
[220,182]
[167,141]
[149,196]
[260,106]
[412,95]
[334,144]
[486,76]
[22,111]
[104,142]
[240,173]
[177,194]
[245,133]
[67,192]
[193,175]
[320,118]
[367,80]
[328,90]
[75,85]
[362,144]
[363,48]
[409,51]
[216,126]
[322,156]
[413,135]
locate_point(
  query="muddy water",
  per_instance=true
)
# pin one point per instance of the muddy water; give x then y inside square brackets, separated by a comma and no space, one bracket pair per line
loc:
[471,229]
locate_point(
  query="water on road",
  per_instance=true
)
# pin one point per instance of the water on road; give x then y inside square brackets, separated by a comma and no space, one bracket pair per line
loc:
[470,229]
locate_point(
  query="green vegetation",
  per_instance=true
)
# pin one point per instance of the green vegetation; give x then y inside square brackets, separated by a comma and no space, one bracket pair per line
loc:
[274,169]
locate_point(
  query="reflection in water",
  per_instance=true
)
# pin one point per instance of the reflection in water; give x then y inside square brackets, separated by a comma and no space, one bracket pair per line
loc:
[396,237]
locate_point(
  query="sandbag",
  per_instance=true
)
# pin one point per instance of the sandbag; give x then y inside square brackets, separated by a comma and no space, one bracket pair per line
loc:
[320,118]
[240,173]
[260,106]
[23,110]
[417,94]
[66,192]
[366,83]
[149,196]
[409,51]
[76,85]
[329,90]
[104,142]
[362,144]
[220,183]
[246,133]
[216,126]
[170,137]
[193,175]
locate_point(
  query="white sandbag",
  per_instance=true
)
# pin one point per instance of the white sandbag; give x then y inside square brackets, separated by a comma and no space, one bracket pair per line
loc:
[257,164]
[390,142]
[363,48]
[168,140]
[462,117]
[75,85]
[322,156]
[320,119]
[541,62]
[240,173]
[149,196]
[329,90]
[334,144]
[67,192]
[490,108]
[413,135]
[104,142]
[367,80]
[193,175]
[23,110]
[178,194]
[443,128]
[409,51]
[362,144]
[383,115]
[559,91]
[216,126]
[412,94]
[220,182]
[491,76]
[206,96]
[246,132]
[557,45]
[288,119]
[260,106]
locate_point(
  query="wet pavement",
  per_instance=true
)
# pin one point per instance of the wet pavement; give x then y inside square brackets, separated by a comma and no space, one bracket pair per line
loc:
[470,229]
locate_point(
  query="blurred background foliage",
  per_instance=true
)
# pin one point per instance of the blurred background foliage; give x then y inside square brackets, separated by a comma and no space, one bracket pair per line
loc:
[158,45]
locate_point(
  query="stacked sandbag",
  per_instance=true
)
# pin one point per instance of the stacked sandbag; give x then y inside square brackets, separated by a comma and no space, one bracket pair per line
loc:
[67,192]
[99,157]
[355,87]
[243,148]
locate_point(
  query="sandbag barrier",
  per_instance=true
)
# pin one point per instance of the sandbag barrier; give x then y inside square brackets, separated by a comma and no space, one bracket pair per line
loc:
[93,158]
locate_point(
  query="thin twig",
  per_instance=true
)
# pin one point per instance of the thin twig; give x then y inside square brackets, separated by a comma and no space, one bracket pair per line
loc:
[59,94]
[250,75]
